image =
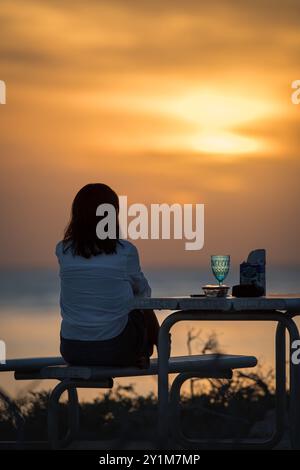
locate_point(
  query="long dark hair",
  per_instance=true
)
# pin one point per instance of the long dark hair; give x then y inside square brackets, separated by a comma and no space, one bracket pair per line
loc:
[80,234]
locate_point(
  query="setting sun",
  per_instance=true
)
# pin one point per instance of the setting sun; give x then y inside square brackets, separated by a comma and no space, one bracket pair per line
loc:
[225,143]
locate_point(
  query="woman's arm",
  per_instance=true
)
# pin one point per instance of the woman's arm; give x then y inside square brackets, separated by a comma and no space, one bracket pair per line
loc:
[138,281]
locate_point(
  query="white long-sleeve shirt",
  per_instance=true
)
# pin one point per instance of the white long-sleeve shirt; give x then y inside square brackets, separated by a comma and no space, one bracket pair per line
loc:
[96,292]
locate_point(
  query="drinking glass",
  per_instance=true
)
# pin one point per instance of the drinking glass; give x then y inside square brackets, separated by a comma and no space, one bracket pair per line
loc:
[220,267]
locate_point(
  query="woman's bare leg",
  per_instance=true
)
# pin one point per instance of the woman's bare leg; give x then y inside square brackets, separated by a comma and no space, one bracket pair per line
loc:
[152,327]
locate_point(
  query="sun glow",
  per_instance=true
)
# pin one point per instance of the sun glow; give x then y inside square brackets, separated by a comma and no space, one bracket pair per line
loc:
[225,143]
[210,108]
[217,115]
[211,121]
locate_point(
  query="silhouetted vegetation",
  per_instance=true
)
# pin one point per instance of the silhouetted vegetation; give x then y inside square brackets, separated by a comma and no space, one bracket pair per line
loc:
[218,408]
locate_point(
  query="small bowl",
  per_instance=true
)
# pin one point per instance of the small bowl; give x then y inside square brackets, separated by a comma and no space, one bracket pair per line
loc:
[211,290]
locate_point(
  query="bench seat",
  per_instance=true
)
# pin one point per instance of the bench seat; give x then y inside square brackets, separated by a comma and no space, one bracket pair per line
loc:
[56,368]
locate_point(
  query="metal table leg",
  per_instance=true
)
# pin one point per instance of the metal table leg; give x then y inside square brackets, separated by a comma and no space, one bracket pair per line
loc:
[285,323]
[294,408]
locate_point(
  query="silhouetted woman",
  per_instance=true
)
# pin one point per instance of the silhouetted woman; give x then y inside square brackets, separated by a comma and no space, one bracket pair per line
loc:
[99,278]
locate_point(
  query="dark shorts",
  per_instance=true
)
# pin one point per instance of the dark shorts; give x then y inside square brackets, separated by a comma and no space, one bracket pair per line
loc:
[123,350]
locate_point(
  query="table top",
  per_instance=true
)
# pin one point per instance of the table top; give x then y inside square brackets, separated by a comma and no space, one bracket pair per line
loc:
[288,303]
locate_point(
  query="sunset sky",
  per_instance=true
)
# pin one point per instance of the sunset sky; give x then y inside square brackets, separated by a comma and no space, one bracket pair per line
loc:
[166,101]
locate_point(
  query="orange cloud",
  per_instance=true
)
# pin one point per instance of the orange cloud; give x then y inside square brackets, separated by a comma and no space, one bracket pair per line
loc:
[166,101]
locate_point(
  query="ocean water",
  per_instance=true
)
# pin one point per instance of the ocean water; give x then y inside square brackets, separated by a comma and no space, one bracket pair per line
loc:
[39,288]
[30,319]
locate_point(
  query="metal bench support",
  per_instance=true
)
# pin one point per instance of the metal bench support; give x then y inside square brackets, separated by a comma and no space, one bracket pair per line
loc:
[70,386]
